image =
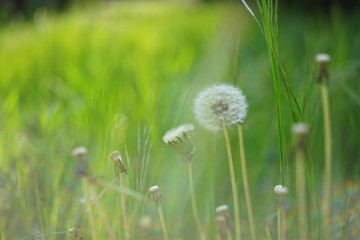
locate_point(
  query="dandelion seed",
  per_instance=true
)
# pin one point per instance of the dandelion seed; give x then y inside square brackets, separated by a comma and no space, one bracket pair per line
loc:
[79,152]
[220,105]
[180,139]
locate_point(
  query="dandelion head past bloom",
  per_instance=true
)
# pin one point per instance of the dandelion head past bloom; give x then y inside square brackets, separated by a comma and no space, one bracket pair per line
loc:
[322,58]
[300,128]
[223,210]
[79,152]
[280,190]
[180,139]
[220,105]
[156,195]
[119,165]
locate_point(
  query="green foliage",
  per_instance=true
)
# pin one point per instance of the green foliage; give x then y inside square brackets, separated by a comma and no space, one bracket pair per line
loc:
[117,76]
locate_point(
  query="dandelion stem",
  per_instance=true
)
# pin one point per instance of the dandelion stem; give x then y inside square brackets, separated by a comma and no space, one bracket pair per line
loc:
[233,185]
[328,161]
[162,221]
[301,192]
[246,182]
[123,207]
[193,201]
[89,208]
[279,225]
[102,214]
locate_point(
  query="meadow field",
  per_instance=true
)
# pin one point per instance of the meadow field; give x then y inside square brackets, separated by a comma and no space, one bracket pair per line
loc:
[117,76]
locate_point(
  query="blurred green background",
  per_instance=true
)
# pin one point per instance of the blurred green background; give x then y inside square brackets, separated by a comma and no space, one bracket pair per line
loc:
[117,75]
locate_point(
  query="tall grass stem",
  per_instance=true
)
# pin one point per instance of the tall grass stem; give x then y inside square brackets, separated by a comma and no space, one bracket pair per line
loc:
[246,182]
[233,185]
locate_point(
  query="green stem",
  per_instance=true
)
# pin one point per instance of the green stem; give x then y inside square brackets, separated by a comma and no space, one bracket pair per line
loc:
[193,201]
[162,221]
[123,207]
[246,182]
[279,225]
[328,160]
[301,192]
[233,185]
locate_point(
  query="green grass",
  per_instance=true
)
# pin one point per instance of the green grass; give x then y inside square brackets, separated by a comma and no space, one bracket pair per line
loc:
[117,76]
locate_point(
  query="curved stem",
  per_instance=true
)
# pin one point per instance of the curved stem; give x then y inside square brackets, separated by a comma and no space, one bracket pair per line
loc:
[246,183]
[233,185]
[193,201]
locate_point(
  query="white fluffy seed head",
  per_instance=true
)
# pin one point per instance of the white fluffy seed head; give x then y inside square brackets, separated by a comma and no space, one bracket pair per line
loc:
[79,152]
[222,210]
[280,190]
[220,104]
[177,133]
[153,189]
[322,58]
[300,129]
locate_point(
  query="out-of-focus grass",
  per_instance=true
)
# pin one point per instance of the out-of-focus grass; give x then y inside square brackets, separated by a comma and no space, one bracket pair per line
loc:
[117,76]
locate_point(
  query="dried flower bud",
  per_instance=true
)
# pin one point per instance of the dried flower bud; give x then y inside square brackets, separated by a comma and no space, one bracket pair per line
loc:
[223,210]
[80,154]
[300,129]
[119,166]
[322,58]
[220,105]
[280,190]
[180,139]
[156,195]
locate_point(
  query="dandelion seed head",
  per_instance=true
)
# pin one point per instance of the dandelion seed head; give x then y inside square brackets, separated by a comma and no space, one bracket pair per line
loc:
[280,190]
[177,133]
[300,128]
[220,104]
[180,139]
[322,58]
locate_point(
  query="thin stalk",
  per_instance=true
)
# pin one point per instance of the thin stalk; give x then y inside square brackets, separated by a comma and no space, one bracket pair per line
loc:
[301,193]
[233,185]
[193,201]
[89,208]
[228,234]
[328,161]
[279,225]
[246,182]
[162,221]
[102,214]
[123,207]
